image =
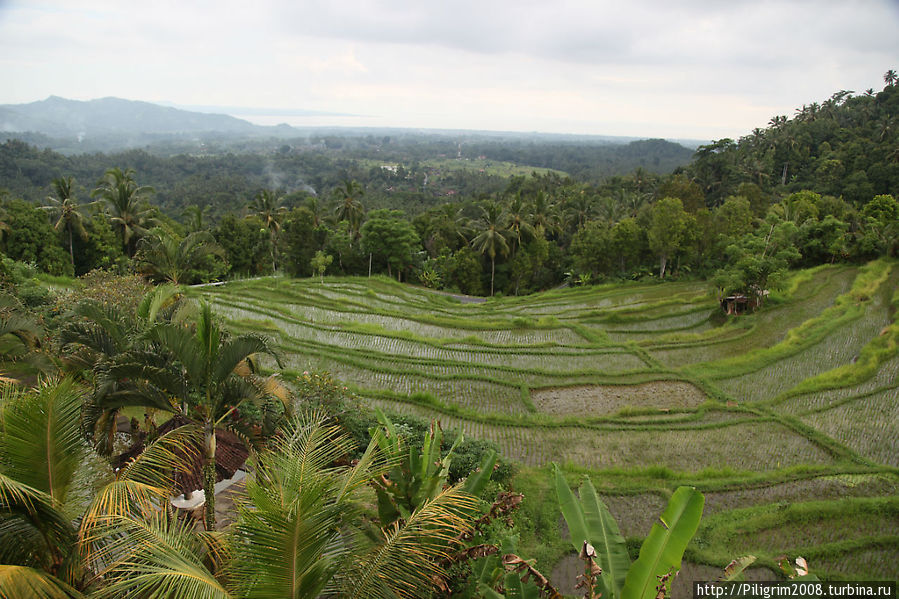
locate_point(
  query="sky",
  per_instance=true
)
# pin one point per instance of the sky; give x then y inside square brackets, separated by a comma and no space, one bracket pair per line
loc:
[682,69]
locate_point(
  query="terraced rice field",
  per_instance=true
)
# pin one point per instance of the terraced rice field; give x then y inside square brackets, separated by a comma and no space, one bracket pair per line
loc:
[646,386]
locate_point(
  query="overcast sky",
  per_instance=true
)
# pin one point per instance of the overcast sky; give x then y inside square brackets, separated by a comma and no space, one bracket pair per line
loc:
[653,68]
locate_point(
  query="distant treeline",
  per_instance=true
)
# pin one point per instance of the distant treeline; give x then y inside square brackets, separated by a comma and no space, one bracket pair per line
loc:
[818,187]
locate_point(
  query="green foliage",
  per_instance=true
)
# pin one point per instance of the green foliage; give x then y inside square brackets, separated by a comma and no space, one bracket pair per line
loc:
[663,549]
[589,522]
[246,244]
[301,242]
[417,476]
[163,255]
[32,239]
[668,226]
[320,263]
[127,202]
[388,235]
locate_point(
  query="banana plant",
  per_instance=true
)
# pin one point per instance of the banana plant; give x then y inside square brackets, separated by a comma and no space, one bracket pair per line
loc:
[418,475]
[591,523]
[518,578]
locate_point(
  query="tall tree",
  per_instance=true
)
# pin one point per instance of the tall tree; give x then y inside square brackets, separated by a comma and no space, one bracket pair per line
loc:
[518,222]
[544,216]
[65,209]
[667,228]
[388,235]
[349,208]
[126,202]
[203,375]
[166,256]
[266,205]
[491,237]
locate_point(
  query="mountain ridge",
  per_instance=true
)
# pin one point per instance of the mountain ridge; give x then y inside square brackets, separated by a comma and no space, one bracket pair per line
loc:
[56,116]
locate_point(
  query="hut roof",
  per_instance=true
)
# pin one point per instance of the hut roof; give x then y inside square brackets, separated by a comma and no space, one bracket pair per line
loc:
[230,454]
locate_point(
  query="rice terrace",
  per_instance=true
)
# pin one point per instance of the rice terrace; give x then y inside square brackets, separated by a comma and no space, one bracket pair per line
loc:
[786,419]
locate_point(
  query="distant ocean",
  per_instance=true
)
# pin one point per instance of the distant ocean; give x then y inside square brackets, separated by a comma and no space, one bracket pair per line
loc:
[316,120]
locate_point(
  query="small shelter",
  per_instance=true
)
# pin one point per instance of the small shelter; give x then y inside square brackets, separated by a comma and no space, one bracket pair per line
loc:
[230,454]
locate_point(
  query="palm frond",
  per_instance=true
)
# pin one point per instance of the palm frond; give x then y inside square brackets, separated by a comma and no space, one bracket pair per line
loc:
[155,556]
[287,550]
[148,373]
[42,444]
[292,540]
[405,563]
[157,299]
[236,351]
[29,513]
[17,582]
[161,461]
[184,346]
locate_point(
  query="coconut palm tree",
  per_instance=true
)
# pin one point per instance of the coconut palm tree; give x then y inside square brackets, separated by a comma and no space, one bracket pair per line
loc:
[202,374]
[65,209]
[166,256]
[43,458]
[544,215]
[518,223]
[314,207]
[267,206]
[349,208]
[302,535]
[126,202]
[491,238]
[49,548]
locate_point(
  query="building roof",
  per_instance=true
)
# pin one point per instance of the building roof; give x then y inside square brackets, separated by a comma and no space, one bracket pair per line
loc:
[230,454]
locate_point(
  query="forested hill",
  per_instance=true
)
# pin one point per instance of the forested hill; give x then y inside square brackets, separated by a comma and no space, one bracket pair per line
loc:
[408,171]
[847,145]
[590,162]
[59,116]
[449,212]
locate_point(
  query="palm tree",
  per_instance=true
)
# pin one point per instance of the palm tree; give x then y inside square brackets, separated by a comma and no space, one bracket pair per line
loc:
[267,206]
[66,211]
[517,221]
[93,335]
[125,200]
[580,208]
[19,332]
[544,215]
[301,534]
[349,208]
[202,374]
[314,207]
[42,457]
[890,77]
[195,217]
[491,238]
[165,256]
[49,543]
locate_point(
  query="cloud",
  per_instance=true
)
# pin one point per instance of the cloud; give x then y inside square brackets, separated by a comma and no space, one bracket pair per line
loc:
[707,67]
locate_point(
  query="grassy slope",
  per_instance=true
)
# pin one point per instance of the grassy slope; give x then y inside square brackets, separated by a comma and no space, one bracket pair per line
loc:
[800,399]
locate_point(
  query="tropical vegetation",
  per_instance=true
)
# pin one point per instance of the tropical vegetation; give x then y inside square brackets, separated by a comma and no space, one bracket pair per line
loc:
[400,440]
